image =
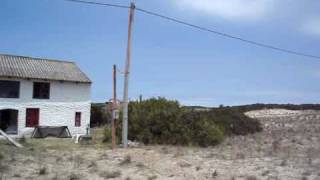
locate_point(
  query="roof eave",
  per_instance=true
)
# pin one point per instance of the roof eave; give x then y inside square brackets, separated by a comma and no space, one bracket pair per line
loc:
[45,79]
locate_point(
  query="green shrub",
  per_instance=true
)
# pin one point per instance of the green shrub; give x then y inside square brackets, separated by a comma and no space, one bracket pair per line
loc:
[99,115]
[162,121]
[156,121]
[23,140]
[201,129]
[107,136]
[234,121]
[2,167]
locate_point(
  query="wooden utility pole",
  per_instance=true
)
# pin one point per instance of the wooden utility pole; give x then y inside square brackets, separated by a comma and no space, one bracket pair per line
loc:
[126,80]
[114,108]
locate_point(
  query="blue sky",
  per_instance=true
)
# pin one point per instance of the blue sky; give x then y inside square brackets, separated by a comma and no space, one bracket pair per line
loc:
[174,61]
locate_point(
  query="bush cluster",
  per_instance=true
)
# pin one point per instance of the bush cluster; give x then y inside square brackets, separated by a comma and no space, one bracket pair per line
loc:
[107,136]
[234,122]
[99,115]
[162,121]
[1,157]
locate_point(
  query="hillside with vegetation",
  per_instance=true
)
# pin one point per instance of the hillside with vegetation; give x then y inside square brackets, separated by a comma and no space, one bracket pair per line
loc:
[258,106]
[162,121]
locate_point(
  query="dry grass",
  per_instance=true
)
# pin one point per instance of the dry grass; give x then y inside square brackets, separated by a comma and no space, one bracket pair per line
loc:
[198,168]
[284,163]
[215,174]
[3,167]
[77,161]
[165,150]
[110,174]
[153,177]
[233,159]
[126,160]
[22,140]
[251,178]
[184,164]
[52,143]
[240,155]
[179,152]
[104,156]
[74,177]
[43,171]
[276,146]
[265,173]
[140,165]
[92,165]
[17,175]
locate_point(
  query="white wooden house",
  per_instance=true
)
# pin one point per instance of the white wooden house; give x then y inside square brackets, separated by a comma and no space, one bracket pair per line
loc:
[36,91]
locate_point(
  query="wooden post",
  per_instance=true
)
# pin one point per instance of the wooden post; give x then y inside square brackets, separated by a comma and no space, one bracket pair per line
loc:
[114,107]
[10,139]
[126,80]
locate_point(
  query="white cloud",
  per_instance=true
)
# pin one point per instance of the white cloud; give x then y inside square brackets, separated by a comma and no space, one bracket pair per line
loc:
[312,26]
[247,10]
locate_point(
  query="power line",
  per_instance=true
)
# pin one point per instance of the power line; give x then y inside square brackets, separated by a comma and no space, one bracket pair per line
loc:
[100,4]
[268,46]
[227,35]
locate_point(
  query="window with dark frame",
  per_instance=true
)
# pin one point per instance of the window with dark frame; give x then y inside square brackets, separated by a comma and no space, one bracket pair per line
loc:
[78,119]
[41,90]
[9,89]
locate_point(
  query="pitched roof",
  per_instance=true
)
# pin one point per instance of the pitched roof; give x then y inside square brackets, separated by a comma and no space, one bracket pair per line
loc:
[38,68]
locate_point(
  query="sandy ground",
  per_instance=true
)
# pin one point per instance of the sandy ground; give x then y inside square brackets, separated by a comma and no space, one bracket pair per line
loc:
[288,148]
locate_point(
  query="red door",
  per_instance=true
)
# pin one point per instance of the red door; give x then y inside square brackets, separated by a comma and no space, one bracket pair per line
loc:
[78,119]
[32,118]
